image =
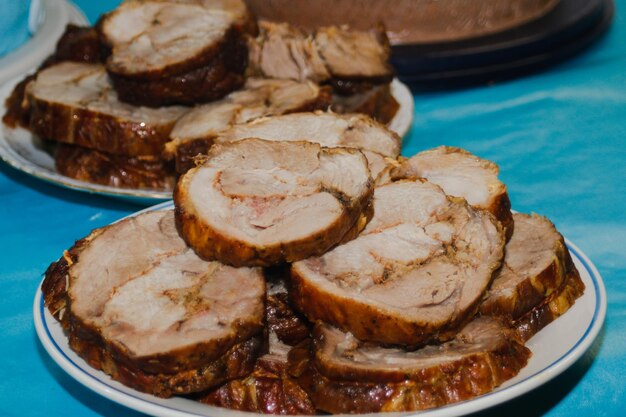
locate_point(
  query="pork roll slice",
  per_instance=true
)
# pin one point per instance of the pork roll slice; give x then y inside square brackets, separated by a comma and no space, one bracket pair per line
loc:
[462,174]
[379,145]
[74,103]
[193,134]
[345,375]
[140,305]
[137,172]
[552,307]
[176,52]
[351,61]
[536,263]
[415,274]
[257,202]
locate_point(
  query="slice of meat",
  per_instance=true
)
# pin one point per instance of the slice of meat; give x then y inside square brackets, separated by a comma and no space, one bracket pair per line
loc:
[141,306]
[356,59]
[536,263]
[138,172]
[415,274]
[378,103]
[78,44]
[345,375]
[462,174]
[252,201]
[328,129]
[175,52]
[74,103]
[350,60]
[553,307]
[193,134]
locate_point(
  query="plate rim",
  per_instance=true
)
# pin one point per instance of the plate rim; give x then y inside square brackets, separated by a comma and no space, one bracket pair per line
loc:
[483,402]
[401,124]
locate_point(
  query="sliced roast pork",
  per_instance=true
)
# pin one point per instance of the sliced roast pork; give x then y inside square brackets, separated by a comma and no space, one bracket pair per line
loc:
[193,134]
[378,143]
[552,307]
[462,174]
[351,61]
[378,103]
[257,202]
[415,274]
[344,375]
[535,265]
[140,305]
[176,52]
[74,103]
[137,172]
[270,389]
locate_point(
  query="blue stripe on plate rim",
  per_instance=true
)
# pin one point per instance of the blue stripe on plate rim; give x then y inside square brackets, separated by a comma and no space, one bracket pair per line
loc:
[479,403]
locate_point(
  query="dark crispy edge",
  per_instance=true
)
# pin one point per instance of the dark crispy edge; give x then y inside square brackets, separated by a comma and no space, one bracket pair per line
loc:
[368,323]
[214,245]
[456,381]
[84,335]
[378,103]
[144,172]
[95,130]
[185,152]
[555,305]
[533,290]
[201,83]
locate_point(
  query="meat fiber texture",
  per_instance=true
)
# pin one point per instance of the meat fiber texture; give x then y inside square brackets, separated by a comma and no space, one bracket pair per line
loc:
[462,174]
[351,61]
[74,103]
[379,145]
[193,134]
[140,305]
[415,274]
[344,375]
[257,202]
[176,52]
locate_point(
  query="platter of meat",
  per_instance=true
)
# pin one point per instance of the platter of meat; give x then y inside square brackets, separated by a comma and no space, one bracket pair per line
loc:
[108,109]
[285,279]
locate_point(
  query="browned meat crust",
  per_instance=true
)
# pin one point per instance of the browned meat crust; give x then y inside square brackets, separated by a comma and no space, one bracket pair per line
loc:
[530,288]
[290,327]
[197,82]
[378,103]
[79,44]
[268,390]
[445,382]
[554,306]
[143,172]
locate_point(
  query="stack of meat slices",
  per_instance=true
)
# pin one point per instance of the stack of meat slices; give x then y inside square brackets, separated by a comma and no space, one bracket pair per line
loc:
[176,52]
[140,305]
[355,63]
[400,296]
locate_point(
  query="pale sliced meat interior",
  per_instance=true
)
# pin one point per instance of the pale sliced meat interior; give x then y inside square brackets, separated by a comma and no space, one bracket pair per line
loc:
[327,129]
[154,35]
[420,266]
[353,53]
[141,286]
[87,87]
[258,98]
[535,265]
[266,193]
[458,172]
[340,355]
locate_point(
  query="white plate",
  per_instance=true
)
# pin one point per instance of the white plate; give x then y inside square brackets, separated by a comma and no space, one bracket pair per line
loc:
[555,349]
[56,15]
[25,152]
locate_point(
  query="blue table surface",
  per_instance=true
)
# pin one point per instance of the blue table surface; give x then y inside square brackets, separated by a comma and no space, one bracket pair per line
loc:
[559,138]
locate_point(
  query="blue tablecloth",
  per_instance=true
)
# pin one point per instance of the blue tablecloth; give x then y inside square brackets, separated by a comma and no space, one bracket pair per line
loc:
[559,138]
